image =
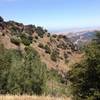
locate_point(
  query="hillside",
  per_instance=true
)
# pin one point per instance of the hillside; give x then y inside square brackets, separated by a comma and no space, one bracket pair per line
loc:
[57,51]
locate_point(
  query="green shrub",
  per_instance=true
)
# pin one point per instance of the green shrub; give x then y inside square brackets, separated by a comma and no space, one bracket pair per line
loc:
[15,40]
[48,35]
[54,55]
[66,57]
[34,40]
[84,76]
[29,49]
[54,35]
[24,74]
[40,31]
[41,45]
[47,49]
[36,72]
[36,37]
[26,39]
[29,29]
[58,82]
[54,74]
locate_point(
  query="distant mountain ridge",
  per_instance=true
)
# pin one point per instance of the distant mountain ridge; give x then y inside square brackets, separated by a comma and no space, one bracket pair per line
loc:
[83,37]
[66,31]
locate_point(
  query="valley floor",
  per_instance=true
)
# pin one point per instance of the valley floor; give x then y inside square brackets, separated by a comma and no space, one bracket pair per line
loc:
[25,97]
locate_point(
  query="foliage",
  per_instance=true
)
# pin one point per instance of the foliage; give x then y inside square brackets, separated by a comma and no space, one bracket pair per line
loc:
[54,55]
[1,19]
[26,39]
[29,29]
[66,57]
[85,76]
[16,40]
[5,63]
[47,49]
[36,37]
[41,45]
[21,74]
[35,73]
[45,30]
[40,31]
[53,74]
[48,35]
[54,35]
[26,74]
[58,86]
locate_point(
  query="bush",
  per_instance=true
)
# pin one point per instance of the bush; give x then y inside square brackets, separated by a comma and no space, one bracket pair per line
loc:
[54,55]
[40,31]
[36,72]
[34,40]
[29,29]
[54,74]
[45,30]
[24,74]
[26,40]
[41,45]
[15,40]
[84,76]
[1,19]
[48,35]
[54,35]
[36,37]
[29,49]
[58,82]
[66,57]
[47,49]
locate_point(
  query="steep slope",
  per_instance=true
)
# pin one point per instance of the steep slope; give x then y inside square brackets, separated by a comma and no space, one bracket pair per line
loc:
[57,51]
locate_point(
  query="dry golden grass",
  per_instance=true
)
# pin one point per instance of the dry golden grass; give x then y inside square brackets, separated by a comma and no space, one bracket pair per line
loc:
[25,97]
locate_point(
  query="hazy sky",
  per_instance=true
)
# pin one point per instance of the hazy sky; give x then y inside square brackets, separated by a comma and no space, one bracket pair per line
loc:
[53,14]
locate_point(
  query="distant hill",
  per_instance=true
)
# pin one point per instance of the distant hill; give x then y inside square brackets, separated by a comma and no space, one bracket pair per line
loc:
[79,36]
[82,38]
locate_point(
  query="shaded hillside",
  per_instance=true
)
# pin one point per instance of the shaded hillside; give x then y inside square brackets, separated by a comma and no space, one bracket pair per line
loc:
[57,51]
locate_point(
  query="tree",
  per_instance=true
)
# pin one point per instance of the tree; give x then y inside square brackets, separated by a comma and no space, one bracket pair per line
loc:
[85,76]
[40,31]
[21,74]
[5,64]
[34,73]
[14,81]
[1,19]
[26,39]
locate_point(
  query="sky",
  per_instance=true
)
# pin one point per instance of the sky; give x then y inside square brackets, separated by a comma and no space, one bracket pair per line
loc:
[52,14]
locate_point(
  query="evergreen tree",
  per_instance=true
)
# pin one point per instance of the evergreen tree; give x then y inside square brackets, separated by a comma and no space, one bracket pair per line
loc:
[85,77]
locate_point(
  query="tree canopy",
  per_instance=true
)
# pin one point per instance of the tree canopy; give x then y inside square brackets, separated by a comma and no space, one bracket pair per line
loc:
[84,77]
[21,74]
